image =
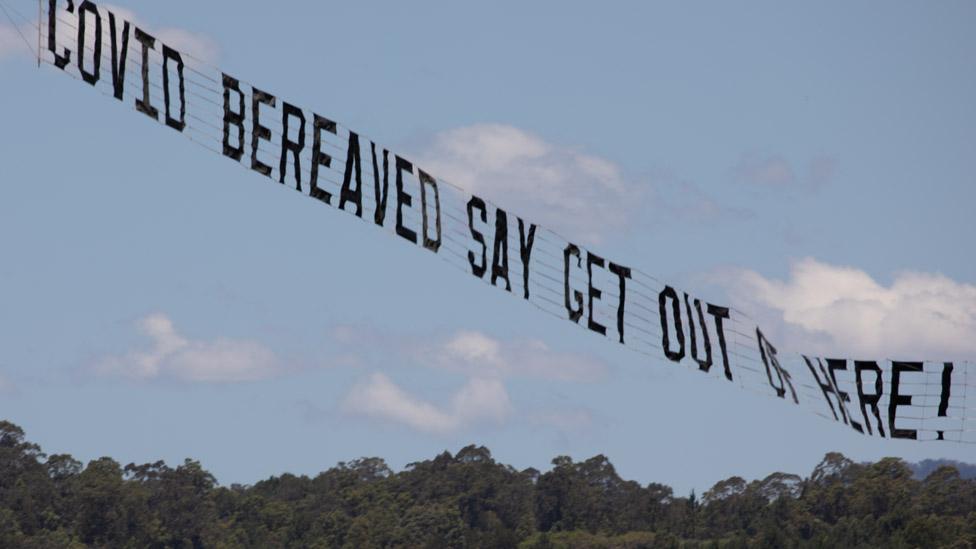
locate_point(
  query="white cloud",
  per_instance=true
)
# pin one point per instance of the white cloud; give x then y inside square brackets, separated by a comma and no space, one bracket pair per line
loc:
[826,309]
[582,196]
[485,362]
[468,352]
[477,354]
[198,45]
[775,171]
[172,356]
[478,401]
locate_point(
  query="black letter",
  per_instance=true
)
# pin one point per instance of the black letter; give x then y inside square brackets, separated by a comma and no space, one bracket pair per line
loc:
[866,399]
[826,387]
[897,400]
[703,365]
[623,273]
[320,158]
[52,32]
[296,147]
[525,252]
[843,398]
[403,199]
[594,293]
[144,105]
[719,313]
[235,118]
[379,216]
[499,260]
[478,270]
[577,313]
[353,161]
[662,300]
[425,179]
[118,58]
[829,386]
[259,132]
[946,388]
[768,354]
[169,53]
[90,77]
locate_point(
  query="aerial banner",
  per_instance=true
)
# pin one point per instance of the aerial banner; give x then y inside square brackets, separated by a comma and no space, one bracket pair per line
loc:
[308,152]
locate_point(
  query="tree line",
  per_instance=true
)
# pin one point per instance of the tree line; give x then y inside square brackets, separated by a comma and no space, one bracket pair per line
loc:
[469,500]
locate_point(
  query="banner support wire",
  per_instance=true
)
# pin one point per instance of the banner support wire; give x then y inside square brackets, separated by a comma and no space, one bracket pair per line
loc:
[40,15]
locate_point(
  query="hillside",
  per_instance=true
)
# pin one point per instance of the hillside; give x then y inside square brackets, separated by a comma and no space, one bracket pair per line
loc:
[469,500]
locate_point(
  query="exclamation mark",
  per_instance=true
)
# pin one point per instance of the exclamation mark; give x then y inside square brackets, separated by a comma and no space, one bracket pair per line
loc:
[944,402]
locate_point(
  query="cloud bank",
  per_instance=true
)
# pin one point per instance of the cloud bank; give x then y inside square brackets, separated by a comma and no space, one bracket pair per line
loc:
[477,401]
[172,356]
[477,354]
[486,363]
[834,310]
[580,195]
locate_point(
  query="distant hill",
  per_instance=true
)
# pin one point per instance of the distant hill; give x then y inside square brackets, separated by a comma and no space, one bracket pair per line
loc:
[924,468]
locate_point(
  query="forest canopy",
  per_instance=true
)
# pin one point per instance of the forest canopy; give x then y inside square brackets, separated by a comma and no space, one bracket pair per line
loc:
[469,500]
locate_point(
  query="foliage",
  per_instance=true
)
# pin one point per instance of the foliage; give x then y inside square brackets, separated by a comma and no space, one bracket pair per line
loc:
[470,500]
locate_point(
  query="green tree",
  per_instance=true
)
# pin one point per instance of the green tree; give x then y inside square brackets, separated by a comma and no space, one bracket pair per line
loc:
[469,500]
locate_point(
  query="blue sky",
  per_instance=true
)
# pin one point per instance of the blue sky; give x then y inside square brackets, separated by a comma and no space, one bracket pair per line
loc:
[794,159]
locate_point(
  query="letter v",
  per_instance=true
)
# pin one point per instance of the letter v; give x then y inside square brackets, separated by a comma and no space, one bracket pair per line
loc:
[119,59]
